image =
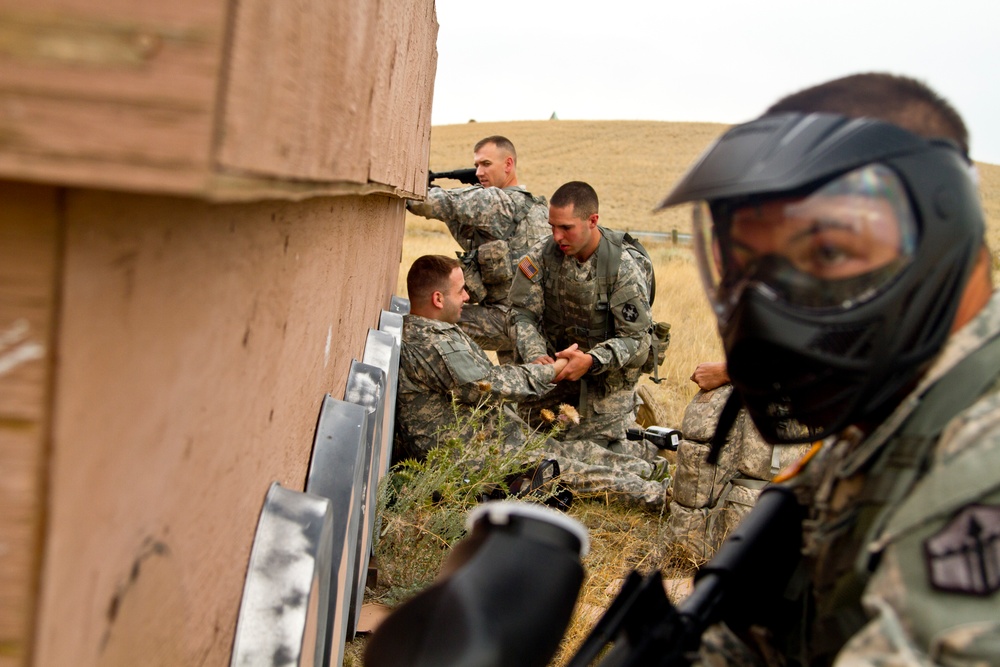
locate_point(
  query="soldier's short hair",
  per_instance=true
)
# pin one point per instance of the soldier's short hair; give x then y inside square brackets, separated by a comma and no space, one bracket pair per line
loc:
[429,274]
[581,195]
[899,100]
[502,143]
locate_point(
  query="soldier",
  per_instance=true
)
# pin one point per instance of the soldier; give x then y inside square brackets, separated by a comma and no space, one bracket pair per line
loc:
[843,240]
[495,223]
[581,288]
[442,369]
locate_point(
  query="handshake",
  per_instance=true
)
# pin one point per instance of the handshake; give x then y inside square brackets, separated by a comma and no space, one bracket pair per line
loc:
[571,363]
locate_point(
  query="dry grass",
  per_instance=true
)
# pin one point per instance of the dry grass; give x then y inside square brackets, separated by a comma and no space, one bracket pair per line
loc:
[632,165]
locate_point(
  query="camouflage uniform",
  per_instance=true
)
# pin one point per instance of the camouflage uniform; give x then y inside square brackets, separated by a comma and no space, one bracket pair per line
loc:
[932,544]
[439,361]
[495,228]
[557,301]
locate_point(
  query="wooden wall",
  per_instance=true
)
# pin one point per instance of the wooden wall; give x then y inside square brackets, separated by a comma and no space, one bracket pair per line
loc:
[203,215]
[228,99]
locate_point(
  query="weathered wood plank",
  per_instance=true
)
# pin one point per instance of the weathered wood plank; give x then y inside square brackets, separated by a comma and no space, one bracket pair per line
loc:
[402,94]
[29,229]
[289,114]
[111,93]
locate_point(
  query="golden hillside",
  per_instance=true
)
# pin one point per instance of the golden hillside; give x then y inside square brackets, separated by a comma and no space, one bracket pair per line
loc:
[632,165]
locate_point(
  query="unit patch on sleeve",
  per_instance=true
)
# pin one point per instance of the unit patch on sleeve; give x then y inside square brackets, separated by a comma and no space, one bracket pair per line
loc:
[528,268]
[630,313]
[964,556]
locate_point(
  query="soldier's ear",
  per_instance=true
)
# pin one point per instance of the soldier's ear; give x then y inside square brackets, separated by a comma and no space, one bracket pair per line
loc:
[437,299]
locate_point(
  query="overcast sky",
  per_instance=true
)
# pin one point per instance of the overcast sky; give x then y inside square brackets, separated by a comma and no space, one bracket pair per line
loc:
[706,60]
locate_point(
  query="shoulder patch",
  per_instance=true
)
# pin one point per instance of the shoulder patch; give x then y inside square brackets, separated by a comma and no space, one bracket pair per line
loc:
[964,556]
[630,313]
[528,268]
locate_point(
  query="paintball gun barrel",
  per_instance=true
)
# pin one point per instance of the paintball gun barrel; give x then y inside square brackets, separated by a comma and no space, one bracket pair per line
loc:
[467,176]
[743,585]
[660,436]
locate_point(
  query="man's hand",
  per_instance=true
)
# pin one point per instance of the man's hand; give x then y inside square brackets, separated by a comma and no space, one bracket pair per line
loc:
[579,363]
[544,359]
[559,365]
[710,375]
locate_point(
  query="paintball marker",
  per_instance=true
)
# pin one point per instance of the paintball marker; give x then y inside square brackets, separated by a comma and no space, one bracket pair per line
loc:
[508,597]
[467,176]
[660,436]
[742,585]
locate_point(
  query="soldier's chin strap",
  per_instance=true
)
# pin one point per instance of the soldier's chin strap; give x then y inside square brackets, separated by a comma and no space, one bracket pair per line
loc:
[730,412]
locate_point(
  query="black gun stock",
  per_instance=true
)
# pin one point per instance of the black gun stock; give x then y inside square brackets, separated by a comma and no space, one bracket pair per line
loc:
[467,176]
[742,585]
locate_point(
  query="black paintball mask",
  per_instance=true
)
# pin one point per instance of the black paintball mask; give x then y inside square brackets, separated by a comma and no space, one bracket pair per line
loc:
[834,252]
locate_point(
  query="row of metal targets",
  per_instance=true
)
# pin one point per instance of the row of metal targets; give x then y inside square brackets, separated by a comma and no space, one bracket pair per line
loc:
[309,563]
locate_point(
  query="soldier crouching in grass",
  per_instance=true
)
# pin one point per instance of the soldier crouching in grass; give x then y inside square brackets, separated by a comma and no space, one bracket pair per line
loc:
[442,371]
[581,290]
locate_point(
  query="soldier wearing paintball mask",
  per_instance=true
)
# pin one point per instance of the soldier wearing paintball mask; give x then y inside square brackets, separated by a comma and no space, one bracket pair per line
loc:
[841,243]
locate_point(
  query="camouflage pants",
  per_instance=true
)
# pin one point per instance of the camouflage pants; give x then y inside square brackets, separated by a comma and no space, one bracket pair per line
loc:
[487,325]
[590,469]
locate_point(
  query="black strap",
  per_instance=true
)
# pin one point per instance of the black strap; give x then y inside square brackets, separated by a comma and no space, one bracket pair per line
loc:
[730,412]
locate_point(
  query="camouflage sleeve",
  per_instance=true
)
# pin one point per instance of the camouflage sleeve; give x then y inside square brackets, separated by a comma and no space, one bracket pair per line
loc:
[630,307]
[935,596]
[489,211]
[527,300]
[470,373]
[516,382]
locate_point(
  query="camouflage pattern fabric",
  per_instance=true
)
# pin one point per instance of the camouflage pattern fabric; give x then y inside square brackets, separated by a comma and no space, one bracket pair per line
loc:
[438,361]
[478,216]
[934,594]
[487,325]
[495,227]
[708,501]
[607,400]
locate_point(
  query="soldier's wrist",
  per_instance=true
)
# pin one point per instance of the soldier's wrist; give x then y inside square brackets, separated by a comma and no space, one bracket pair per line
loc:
[596,365]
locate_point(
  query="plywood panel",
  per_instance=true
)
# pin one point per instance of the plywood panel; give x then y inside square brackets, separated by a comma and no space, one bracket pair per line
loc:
[401,100]
[331,91]
[299,89]
[120,94]
[29,247]
[197,344]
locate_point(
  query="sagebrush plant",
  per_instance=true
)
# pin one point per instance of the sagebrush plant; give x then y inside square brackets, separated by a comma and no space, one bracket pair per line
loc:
[422,505]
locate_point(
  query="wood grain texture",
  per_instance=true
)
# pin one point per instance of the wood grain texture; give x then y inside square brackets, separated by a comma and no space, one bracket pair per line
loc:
[196,344]
[326,91]
[29,232]
[110,94]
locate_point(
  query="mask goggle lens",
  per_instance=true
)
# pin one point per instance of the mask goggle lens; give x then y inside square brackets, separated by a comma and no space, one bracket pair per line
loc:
[834,248]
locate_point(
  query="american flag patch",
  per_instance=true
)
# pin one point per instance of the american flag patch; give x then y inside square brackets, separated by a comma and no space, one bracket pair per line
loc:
[528,267]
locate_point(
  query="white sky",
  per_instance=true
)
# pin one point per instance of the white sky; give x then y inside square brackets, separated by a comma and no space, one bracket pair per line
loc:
[706,60]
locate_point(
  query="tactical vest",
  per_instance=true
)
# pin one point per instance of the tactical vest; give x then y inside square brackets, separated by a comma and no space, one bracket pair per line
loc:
[580,312]
[494,260]
[842,563]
